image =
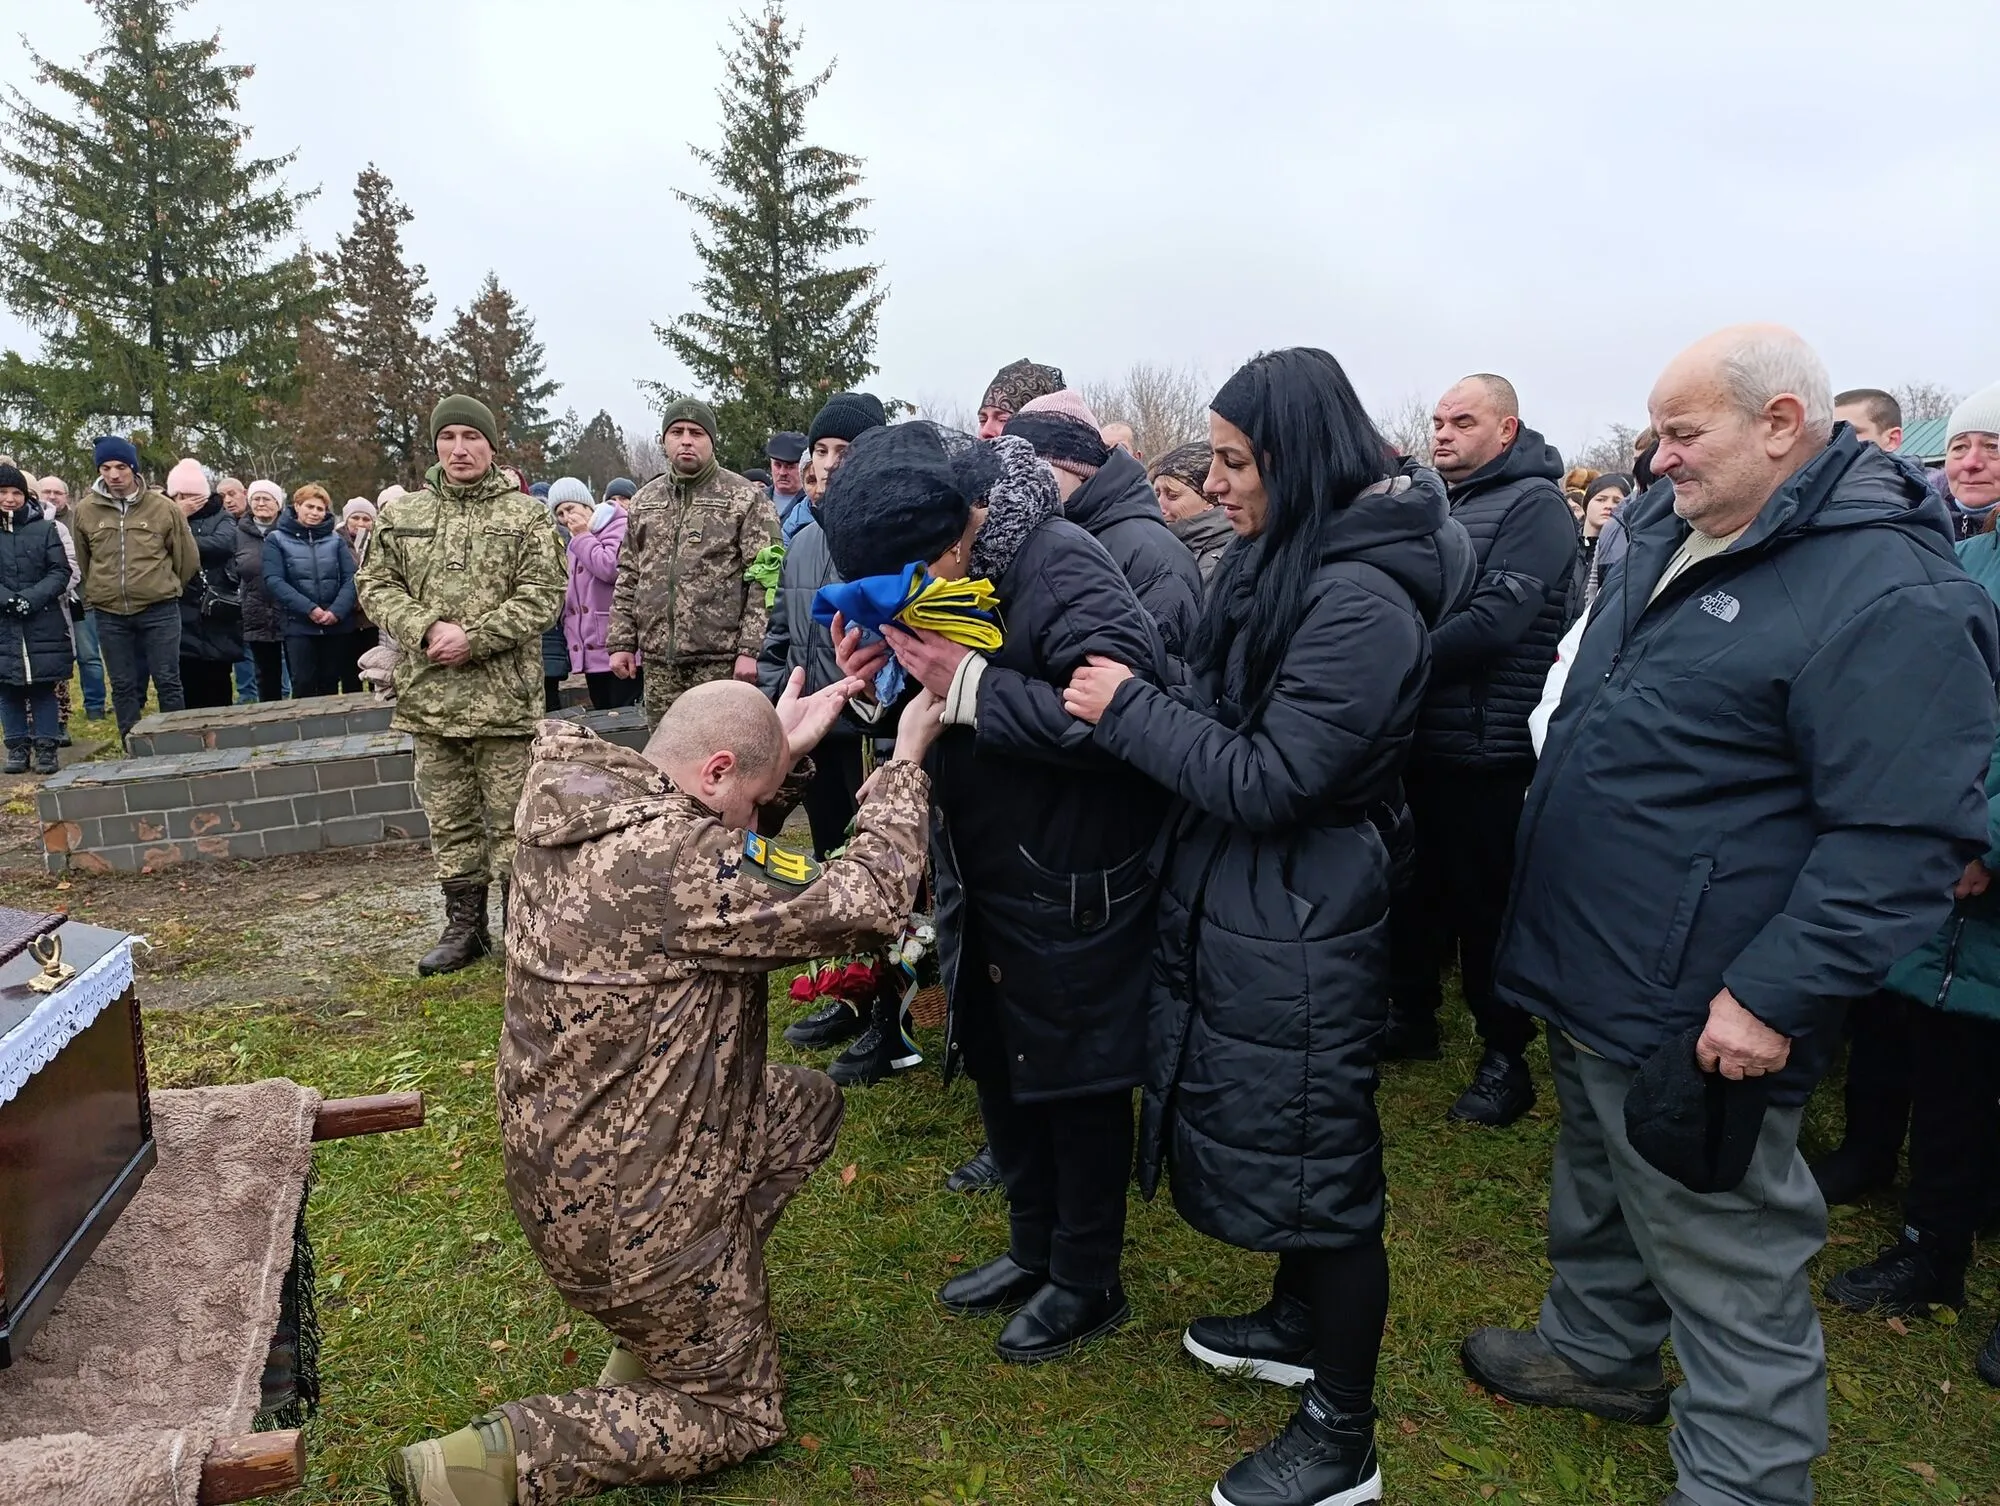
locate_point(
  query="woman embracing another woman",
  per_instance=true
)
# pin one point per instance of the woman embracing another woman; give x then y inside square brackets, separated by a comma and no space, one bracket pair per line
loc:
[1285,752]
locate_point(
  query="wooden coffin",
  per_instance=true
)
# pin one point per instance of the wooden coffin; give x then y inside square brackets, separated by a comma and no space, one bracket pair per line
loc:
[76,1132]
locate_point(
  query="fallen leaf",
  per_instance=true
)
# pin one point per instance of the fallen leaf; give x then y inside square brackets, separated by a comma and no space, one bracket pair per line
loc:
[1488,1492]
[1850,1389]
[954,1260]
[497,1345]
[809,1443]
[1923,1472]
[1406,1427]
[862,1474]
[568,1357]
[847,1174]
[1216,1422]
[486,1390]
[63,885]
[560,1331]
[1897,1325]
[1945,1387]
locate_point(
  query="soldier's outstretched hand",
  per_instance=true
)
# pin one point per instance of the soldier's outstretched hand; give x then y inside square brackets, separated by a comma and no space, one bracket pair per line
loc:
[808,718]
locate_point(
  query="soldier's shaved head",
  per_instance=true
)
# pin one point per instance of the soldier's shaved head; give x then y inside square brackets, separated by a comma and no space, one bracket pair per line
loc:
[723,716]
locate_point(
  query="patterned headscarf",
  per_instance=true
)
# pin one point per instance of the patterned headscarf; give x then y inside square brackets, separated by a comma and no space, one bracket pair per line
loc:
[1019,383]
[1187,464]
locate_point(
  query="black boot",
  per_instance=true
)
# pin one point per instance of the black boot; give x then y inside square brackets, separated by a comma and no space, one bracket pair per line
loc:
[828,1025]
[1060,1319]
[999,1286]
[1988,1363]
[1909,1277]
[1275,1343]
[1517,1364]
[45,755]
[1323,1458]
[980,1174]
[1410,1036]
[1501,1092]
[1849,1174]
[885,1047]
[17,755]
[464,939]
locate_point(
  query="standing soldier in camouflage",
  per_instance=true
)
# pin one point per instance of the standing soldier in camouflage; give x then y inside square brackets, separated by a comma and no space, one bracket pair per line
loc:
[649,1149]
[683,604]
[464,575]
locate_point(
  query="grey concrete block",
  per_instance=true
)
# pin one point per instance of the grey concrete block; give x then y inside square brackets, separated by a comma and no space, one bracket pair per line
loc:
[381,799]
[248,846]
[261,815]
[281,841]
[347,773]
[335,805]
[199,821]
[406,826]
[157,794]
[234,788]
[396,768]
[82,800]
[286,779]
[354,831]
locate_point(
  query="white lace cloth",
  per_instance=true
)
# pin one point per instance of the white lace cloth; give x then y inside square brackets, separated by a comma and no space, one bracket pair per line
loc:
[61,1017]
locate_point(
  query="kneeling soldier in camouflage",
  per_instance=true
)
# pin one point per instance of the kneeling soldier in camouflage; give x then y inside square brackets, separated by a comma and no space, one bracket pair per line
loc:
[649,1149]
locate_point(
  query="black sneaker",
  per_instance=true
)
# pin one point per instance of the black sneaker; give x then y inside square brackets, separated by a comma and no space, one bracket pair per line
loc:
[1907,1279]
[883,1049]
[1323,1458]
[980,1174]
[1988,1363]
[1501,1092]
[828,1025]
[1275,1343]
[1849,1174]
[1411,1038]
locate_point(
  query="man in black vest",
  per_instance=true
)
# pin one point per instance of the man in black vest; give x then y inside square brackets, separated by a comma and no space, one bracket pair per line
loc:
[1472,760]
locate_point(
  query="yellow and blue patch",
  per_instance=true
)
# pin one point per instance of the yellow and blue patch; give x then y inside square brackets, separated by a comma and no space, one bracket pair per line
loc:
[781,865]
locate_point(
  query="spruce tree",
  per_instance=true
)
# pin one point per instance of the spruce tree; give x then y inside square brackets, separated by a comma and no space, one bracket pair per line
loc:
[599,457]
[144,246]
[376,332]
[491,353]
[779,328]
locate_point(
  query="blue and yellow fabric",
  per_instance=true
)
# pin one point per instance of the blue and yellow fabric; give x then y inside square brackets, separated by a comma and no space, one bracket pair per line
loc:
[965,611]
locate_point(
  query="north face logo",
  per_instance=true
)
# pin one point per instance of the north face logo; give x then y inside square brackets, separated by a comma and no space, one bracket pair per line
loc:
[1721,604]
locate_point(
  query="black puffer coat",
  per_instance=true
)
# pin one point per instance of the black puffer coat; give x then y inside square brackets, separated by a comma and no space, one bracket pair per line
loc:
[1119,509]
[1045,913]
[1271,974]
[262,622]
[34,649]
[1490,660]
[216,632]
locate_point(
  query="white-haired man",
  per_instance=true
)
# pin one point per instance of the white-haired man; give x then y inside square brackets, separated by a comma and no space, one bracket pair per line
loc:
[1762,780]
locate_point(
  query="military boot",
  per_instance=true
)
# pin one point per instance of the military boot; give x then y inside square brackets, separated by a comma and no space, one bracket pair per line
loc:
[17,755]
[464,939]
[885,1047]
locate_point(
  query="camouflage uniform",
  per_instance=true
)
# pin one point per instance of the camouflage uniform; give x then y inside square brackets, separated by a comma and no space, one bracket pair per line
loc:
[482,556]
[649,1149]
[681,602]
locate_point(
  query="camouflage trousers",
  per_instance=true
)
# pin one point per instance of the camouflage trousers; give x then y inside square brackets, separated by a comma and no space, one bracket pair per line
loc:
[712,1395]
[666,679]
[468,787]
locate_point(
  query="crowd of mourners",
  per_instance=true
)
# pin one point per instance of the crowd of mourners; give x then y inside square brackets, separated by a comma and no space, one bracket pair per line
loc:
[1204,772]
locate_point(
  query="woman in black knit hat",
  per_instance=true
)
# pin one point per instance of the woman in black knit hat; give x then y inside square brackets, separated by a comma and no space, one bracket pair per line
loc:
[1045,906]
[1286,753]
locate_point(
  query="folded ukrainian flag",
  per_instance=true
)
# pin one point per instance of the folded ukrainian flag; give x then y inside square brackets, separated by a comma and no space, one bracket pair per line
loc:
[965,611]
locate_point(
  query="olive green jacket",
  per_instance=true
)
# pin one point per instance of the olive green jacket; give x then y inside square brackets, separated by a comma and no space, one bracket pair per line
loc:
[681,591]
[484,557]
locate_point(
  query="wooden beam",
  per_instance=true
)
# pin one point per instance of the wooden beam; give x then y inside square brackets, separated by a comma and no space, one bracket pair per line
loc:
[249,1465]
[341,1117]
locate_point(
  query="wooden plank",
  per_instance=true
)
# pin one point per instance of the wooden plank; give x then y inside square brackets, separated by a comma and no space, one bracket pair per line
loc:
[249,1465]
[341,1117]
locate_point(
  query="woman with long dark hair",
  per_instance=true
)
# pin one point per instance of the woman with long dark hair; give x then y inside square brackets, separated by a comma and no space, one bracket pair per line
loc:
[1285,751]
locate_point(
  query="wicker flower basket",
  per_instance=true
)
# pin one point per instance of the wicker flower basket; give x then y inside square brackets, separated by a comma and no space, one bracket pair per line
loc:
[927,1008]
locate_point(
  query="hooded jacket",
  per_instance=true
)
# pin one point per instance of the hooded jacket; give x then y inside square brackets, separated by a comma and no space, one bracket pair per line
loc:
[307,566]
[1205,536]
[1270,977]
[135,552]
[34,649]
[1119,509]
[262,621]
[211,625]
[1489,659]
[631,1076]
[483,556]
[1767,780]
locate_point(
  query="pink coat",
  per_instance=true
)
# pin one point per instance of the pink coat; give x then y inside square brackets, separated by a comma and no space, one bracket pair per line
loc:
[593,573]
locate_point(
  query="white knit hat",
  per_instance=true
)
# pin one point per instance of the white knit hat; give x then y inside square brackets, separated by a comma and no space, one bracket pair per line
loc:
[271,489]
[1978,414]
[569,489]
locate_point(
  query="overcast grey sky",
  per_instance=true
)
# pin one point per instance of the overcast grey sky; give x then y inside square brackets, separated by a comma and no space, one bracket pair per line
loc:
[1562,192]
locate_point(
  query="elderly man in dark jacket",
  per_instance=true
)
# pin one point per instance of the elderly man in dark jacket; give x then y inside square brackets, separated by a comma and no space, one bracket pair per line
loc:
[1472,760]
[1763,778]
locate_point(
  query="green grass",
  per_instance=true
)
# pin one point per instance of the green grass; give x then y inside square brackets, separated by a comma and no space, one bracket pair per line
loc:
[434,1309]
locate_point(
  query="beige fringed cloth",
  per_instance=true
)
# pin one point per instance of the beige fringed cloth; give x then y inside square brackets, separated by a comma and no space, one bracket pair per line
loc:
[158,1346]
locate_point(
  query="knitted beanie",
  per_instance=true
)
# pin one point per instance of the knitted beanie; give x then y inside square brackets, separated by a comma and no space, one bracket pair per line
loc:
[540,490]
[622,487]
[569,489]
[187,476]
[1978,414]
[689,410]
[269,489]
[847,415]
[356,507]
[460,409]
[114,447]
[1187,464]
[892,500]
[1019,383]
[1607,482]
[11,477]
[1063,431]
[387,495]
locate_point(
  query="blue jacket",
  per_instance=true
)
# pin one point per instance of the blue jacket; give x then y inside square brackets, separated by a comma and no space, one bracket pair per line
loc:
[306,568]
[1768,779]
